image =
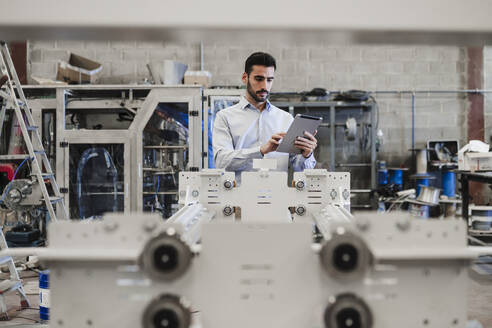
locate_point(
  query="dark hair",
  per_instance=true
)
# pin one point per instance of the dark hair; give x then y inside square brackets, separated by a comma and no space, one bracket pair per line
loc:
[259,58]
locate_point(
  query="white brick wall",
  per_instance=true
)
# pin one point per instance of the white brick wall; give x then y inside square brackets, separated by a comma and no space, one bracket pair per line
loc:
[303,67]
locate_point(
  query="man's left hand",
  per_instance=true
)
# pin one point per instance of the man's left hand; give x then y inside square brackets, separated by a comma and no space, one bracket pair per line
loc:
[306,144]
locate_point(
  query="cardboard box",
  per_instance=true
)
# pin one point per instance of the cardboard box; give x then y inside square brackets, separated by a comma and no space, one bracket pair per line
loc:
[470,161]
[78,70]
[202,78]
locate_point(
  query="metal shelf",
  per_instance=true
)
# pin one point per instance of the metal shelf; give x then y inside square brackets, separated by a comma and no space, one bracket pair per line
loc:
[342,104]
[119,193]
[150,169]
[354,165]
[160,193]
[340,125]
[333,109]
[166,147]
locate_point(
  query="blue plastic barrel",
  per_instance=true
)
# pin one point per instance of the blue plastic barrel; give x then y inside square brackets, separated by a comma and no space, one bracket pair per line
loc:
[396,177]
[382,177]
[44,295]
[448,183]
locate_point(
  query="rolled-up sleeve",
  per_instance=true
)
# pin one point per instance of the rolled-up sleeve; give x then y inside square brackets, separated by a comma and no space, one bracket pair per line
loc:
[225,156]
[300,163]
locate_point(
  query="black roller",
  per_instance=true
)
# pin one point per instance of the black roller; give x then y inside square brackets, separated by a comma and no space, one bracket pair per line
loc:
[166,318]
[166,311]
[166,257]
[345,257]
[348,311]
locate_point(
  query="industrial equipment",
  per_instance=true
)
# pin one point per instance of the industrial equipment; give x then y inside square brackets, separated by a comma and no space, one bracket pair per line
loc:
[296,257]
[215,100]
[346,138]
[31,191]
[122,145]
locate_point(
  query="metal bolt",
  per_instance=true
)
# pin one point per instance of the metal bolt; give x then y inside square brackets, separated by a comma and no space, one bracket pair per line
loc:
[333,194]
[228,184]
[227,210]
[340,230]
[182,193]
[362,223]
[195,193]
[300,185]
[110,226]
[345,194]
[300,210]
[403,223]
[149,225]
[171,231]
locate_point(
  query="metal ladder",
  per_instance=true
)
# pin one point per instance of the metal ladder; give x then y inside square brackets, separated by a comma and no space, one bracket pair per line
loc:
[32,138]
[14,283]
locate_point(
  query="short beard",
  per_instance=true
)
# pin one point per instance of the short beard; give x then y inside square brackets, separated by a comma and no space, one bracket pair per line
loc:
[254,96]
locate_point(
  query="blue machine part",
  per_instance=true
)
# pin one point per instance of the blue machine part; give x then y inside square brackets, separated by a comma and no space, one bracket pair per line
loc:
[448,183]
[44,295]
[421,182]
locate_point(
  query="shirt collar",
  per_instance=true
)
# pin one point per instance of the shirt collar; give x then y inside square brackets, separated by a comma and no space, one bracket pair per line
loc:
[244,103]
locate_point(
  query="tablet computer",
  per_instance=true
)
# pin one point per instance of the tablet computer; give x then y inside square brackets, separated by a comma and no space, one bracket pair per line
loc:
[301,123]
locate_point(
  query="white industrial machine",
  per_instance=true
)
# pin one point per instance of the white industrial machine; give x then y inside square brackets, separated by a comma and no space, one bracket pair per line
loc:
[294,257]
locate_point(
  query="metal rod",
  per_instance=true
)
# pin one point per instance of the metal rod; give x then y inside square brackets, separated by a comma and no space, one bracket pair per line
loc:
[413,120]
[332,138]
[432,91]
[353,164]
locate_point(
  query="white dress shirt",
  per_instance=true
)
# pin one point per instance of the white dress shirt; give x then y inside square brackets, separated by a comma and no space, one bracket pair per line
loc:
[239,132]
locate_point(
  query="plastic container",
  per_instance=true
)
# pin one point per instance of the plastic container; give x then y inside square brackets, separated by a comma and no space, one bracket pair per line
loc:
[382,173]
[44,295]
[396,177]
[448,184]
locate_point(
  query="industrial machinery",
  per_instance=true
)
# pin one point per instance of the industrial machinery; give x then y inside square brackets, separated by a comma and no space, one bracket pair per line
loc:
[35,190]
[347,137]
[295,257]
[214,101]
[119,148]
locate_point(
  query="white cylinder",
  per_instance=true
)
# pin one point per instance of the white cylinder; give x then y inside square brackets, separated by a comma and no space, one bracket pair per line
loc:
[422,161]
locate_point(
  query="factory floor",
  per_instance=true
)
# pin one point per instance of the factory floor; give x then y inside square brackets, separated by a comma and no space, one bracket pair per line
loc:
[479,306]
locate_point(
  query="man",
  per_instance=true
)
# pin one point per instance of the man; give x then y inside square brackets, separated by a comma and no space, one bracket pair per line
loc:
[253,128]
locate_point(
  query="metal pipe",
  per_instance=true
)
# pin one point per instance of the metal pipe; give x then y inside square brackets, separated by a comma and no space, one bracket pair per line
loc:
[398,92]
[413,120]
[431,91]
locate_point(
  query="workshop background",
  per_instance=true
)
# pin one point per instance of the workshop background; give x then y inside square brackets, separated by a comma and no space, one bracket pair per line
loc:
[306,66]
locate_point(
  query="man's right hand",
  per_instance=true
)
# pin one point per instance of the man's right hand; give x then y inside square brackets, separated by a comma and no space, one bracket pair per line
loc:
[272,144]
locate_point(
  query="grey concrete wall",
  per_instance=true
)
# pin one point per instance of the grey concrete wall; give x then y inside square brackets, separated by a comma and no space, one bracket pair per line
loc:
[487,57]
[303,67]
